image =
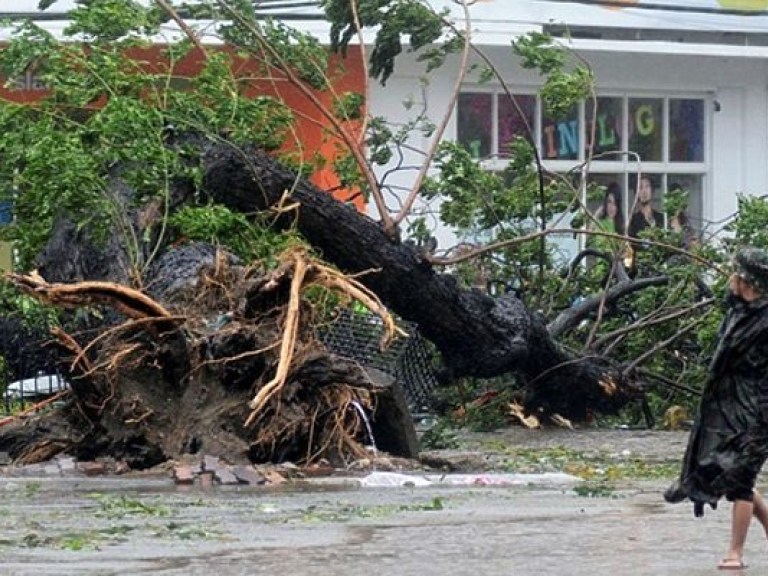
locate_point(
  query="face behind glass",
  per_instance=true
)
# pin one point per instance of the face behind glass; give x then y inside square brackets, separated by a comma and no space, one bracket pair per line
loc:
[645,192]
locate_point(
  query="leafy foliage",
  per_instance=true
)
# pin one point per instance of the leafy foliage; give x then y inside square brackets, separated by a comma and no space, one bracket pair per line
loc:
[561,87]
[750,227]
[114,108]
[217,224]
[33,314]
[394,19]
[508,209]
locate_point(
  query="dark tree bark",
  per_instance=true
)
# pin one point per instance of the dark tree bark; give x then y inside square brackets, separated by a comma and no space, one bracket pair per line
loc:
[477,335]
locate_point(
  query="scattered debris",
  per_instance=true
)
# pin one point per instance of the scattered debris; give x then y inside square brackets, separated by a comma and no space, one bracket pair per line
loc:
[389,479]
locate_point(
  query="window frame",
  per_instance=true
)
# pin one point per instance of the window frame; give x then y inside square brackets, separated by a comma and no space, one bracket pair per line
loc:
[626,164]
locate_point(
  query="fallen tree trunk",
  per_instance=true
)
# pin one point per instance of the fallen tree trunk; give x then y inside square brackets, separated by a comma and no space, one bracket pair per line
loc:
[476,334]
[206,335]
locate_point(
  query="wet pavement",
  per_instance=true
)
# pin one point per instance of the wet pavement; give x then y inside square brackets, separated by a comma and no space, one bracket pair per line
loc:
[120,525]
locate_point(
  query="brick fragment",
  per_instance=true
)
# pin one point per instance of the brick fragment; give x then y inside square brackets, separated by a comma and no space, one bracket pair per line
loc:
[93,468]
[66,464]
[274,478]
[225,476]
[183,475]
[319,469]
[211,463]
[206,479]
[248,475]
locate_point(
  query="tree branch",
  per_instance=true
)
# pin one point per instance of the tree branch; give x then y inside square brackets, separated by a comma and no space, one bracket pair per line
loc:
[570,318]
[438,136]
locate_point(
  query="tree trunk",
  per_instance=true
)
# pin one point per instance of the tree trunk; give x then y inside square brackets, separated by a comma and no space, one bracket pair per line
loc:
[476,334]
[181,377]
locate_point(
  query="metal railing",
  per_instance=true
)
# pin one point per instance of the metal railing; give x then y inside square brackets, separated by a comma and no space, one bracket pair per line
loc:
[356,335]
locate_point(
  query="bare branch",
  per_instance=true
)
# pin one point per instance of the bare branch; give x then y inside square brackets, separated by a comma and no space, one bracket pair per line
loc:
[183,25]
[438,135]
[664,343]
[571,317]
[648,323]
[443,261]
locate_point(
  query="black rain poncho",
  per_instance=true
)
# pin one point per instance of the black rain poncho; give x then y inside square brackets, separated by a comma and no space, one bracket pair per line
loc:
[729,441]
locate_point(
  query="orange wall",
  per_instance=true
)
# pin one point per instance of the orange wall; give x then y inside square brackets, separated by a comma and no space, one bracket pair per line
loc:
[311,129]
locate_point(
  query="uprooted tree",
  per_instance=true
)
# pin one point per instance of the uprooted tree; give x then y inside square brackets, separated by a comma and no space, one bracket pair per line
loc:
[120,182]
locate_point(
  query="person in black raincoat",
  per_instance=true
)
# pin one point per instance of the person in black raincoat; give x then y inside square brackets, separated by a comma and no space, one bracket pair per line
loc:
[728,444]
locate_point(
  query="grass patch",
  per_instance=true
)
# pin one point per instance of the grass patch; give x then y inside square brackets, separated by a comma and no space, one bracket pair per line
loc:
[589,466]
[347,513]
[122,507]
[182,531]
[595,490]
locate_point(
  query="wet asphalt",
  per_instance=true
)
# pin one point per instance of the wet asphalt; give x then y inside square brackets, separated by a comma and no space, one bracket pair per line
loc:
[117,525]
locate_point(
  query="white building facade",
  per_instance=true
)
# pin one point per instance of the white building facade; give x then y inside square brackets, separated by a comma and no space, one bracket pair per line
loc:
[682,95]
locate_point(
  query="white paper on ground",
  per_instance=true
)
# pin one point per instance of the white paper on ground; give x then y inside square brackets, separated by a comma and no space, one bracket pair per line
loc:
[384,479]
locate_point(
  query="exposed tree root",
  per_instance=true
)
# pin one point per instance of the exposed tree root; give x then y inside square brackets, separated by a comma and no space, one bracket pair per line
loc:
[305,273]
[42,451]
[37,406]
[230,367]
[127,301]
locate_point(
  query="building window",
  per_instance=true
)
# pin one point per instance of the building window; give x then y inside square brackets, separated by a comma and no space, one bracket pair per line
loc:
[605,133]
[686,130]
[646,128]
[517,118]
[475,121]
[662,135]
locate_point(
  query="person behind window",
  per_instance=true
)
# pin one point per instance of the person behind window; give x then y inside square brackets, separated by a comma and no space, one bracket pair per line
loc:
[680,223]
[609,217]
[645,215]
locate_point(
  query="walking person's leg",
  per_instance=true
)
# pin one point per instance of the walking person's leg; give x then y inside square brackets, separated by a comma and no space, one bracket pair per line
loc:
[760,511]
[741,516]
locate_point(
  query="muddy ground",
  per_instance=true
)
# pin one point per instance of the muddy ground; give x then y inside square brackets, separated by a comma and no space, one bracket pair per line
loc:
[602,514]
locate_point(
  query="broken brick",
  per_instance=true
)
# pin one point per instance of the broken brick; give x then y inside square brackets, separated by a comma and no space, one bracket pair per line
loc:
[225,476]
[248,475]
[93,468]
[274,478]
[183,475]
[206,479]
[66,464]
[211,463]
